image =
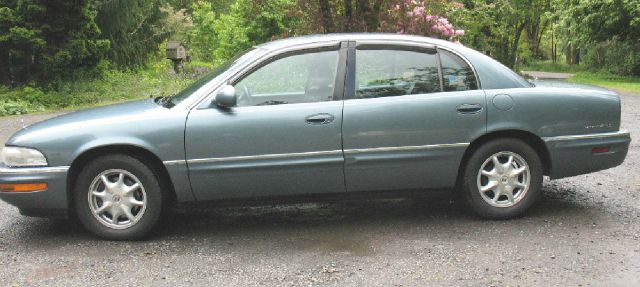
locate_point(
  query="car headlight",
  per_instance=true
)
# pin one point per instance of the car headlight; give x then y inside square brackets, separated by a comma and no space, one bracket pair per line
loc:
[22,157]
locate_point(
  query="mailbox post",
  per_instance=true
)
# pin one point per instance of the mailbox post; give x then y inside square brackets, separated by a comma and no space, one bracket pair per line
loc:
[177,53]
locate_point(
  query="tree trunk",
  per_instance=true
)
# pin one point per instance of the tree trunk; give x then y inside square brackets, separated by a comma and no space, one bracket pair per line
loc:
[572,54]
[363,10]
[576,56]
[513,55]
[531,34]
[325,15]
[348,13]
[536,48]
[369,17]
[5,78]
[554,57]
[374,24]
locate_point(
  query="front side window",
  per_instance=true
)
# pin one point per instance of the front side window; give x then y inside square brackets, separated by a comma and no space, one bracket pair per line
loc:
[456,73]
[389,73]
[302,78]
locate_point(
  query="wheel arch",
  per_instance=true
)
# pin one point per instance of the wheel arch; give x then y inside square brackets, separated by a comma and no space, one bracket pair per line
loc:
[529,138]
[140,153]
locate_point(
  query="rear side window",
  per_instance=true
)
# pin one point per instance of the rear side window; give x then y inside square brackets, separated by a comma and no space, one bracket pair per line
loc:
[456,73]
[389,73]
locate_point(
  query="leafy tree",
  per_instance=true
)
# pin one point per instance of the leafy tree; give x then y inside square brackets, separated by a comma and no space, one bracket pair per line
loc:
[203,38]
[46,40]
[219,36]
[609,31]
[134,28]
[497,27]
[539,21]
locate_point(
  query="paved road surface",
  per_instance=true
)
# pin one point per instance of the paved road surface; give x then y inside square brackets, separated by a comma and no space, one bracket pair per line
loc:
[584,232]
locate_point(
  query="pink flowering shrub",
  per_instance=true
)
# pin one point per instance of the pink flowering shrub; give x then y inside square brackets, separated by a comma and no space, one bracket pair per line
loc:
[424,17]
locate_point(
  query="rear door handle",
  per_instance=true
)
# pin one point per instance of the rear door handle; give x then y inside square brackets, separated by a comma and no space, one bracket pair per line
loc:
[320,119]
[469,108]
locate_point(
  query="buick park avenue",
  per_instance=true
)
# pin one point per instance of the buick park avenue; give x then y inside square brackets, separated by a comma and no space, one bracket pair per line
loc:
[316,117]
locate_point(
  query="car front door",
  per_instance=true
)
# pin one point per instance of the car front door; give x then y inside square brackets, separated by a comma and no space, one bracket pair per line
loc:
[409,115]
[283,137]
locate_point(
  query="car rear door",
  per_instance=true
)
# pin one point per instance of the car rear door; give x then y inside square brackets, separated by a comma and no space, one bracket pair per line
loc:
[284,137]
[407,121]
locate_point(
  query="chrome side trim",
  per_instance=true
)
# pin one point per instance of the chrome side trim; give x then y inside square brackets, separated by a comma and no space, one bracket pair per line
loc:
[174,162]
[405,148]
[33,170]
[314,153]
[265,156]
[618,134]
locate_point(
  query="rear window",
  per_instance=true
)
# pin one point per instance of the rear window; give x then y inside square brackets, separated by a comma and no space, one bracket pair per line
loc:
[389,73]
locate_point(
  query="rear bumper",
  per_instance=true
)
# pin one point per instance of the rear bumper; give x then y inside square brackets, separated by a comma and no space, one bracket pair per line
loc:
[50,202]
[573,155]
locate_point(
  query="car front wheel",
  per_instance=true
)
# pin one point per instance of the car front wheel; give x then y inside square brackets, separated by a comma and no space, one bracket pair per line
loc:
[502,179]
[118,197]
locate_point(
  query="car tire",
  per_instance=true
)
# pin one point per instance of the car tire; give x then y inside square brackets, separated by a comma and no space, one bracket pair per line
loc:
[118,197]
[502,179]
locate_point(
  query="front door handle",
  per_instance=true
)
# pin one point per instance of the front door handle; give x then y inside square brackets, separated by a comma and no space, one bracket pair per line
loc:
[469,108]
[320,119]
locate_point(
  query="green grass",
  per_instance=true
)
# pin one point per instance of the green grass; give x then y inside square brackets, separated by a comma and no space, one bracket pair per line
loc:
[114,86]
[614,82]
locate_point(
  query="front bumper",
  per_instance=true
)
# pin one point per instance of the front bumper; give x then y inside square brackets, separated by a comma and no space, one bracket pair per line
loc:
[50,202]
[574,155]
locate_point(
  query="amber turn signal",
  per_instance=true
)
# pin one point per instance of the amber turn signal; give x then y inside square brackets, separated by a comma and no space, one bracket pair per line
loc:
[23,187]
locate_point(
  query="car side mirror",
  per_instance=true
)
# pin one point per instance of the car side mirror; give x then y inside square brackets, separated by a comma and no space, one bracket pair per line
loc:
[226,97]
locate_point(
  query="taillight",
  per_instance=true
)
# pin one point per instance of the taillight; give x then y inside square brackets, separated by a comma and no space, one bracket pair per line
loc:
[600,150]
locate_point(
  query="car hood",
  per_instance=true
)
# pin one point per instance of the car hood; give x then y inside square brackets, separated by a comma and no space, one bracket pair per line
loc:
[85,119]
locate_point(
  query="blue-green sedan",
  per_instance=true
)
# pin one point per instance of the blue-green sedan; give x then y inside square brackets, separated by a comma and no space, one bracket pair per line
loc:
[317,117]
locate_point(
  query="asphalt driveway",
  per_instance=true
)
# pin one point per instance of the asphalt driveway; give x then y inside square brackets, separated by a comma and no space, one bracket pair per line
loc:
[584,232]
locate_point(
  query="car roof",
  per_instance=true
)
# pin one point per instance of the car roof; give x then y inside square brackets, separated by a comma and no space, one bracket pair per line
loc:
[310,39]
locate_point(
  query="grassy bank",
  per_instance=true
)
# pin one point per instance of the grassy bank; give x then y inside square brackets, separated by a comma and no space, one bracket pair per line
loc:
[618,83]
[113,86]
[583,76]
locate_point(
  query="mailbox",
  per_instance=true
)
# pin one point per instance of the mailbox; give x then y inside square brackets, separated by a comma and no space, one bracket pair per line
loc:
[175,51]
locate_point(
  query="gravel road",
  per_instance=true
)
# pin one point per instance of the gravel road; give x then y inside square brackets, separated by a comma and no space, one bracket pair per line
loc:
[584,232]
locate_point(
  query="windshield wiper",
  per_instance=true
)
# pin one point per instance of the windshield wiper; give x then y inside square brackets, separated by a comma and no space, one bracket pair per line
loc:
[272,102]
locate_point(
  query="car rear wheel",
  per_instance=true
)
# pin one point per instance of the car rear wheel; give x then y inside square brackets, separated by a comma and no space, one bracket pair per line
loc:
[118,197]
[502,179]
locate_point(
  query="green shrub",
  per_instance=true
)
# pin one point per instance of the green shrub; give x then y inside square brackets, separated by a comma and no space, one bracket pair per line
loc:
[111,86]
[617,57]
[13,107]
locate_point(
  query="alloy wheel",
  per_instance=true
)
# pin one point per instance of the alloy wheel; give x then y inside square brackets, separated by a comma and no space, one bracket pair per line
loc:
[504,179]
[117,199]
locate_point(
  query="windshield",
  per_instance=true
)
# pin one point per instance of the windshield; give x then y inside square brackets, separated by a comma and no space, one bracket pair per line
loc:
[184,94]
